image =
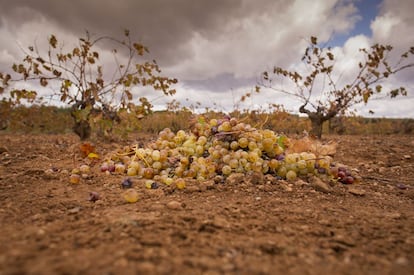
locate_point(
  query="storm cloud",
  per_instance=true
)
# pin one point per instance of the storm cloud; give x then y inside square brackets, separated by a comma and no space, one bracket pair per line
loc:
[212,47]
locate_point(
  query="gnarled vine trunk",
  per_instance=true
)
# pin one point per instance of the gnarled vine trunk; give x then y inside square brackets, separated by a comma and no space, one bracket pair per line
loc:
[317,119]
[80,113]
[316,127]
[82,129]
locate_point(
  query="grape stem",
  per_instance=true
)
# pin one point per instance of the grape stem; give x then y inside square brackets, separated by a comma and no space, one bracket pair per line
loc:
[134,154]
[261,125]
[140,156]
[233,132]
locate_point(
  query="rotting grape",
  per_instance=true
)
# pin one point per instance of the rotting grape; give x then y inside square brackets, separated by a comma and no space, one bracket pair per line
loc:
[219,147]
[74,178]
[130,195]
[180,183]
[84,169]
[126,183]
[291,175]
[131,171]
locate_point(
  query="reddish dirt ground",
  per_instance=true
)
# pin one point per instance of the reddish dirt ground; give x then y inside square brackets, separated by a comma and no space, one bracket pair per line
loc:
[48,226]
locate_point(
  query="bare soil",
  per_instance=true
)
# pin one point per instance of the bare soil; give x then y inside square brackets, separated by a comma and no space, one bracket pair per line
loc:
[48,226]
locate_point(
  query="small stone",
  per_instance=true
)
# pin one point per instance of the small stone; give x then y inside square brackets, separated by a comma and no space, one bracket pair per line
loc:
[36,217]
[394,215]
[270,179]
[86,176]
[254,178]
[174,205]
[320,185]
[301,183]
[401,261]
[402,186]
[49,171]
[407,157]
[64,172]
[235,179]
[192,189]
[382,170]
[40,232]
[381,163]
[207,185]
[220,222]
[49,174]
[74,210]
[218,179]
[286,188]
[93,196]
[356,191]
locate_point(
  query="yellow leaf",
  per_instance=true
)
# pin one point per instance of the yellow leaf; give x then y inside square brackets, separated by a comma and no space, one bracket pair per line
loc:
[365,96]
[93,156]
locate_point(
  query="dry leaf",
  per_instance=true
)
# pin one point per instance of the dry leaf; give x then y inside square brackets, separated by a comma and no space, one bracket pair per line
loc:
[86,148]
[308,144]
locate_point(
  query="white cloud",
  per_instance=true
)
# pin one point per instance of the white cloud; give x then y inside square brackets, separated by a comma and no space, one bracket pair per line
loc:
[384,26]
[215,48]
[273,34]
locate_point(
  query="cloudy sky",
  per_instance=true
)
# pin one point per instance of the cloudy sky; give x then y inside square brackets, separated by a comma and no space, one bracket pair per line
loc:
[218,48]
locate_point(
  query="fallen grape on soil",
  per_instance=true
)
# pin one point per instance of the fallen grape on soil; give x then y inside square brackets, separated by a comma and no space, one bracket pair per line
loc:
[223,147]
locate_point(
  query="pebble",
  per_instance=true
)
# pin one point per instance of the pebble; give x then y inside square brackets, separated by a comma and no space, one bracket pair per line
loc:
[301,183]
[192,189]
[286,188]
[356,191]
[74,210]
[394,215]
[401,261]
[207,185]
[320,185]
[407,157]
[49,171]
[382,170]
[94,196]
[40,232]
[86,176]
[64,172]
[174,205]
[220,222]
[381,163]
[254,178]
[269,179]
[402,186]
[235,179]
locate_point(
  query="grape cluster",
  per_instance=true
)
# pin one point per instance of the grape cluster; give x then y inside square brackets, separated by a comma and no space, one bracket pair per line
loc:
[343,175]
[211,148]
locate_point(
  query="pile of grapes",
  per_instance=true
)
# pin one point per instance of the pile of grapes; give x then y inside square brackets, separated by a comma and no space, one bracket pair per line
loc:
[219,147]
